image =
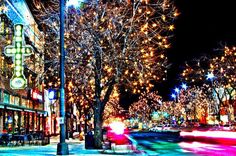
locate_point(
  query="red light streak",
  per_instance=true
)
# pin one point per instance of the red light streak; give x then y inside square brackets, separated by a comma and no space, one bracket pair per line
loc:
[213,134]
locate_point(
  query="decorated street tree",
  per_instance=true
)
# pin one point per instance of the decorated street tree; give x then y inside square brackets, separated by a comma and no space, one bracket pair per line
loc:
[196,103]
[112,108]
[195,71]
[109,44]
[223,79]
[143,109]
[219,71]
[140,110]
[171,109]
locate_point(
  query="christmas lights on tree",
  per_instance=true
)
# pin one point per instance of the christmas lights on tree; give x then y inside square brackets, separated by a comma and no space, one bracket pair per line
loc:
[108,43]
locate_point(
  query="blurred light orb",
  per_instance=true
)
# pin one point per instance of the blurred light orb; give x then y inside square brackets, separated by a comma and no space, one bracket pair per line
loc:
[117,127]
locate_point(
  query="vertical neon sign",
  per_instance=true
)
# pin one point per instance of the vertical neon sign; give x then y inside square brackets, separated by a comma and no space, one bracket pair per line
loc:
[18,50]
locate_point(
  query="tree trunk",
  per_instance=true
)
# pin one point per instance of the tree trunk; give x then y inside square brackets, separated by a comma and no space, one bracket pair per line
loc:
[97,128]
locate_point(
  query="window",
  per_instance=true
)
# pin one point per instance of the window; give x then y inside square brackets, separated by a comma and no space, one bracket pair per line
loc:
[12,99]
[17,100]
[23,102]
[6,98]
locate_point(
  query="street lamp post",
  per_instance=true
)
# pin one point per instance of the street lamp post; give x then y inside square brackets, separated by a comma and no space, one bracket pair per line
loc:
[62,146]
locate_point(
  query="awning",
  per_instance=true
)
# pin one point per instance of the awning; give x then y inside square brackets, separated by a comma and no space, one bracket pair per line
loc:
[12,108]
[27,110]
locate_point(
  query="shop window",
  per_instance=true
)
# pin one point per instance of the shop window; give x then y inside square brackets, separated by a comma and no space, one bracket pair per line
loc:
[31,115]
[40,107]
[35,122]
[27,103]
[6,98]
[23,102]
[16,121]
[9,121]
[17,100]
[12,99]
[22,122]
[36,106]
[30,104]
[41,124]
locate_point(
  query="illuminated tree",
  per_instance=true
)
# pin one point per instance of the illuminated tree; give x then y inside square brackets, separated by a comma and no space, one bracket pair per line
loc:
[109,43]
[195,71]
[147,104]
[172,108]
[223,68]
[112,108]
[220,72]
[197,103]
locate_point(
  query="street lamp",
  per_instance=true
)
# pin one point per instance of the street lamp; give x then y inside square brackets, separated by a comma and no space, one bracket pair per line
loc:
[177,90]
[62,146]
[184,86]
[173,96]
[210,76]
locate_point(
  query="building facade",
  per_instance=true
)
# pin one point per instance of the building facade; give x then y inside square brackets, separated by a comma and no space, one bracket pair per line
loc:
[22,110]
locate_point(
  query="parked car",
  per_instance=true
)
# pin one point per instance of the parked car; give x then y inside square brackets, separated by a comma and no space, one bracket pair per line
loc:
[160,127]
[226,127]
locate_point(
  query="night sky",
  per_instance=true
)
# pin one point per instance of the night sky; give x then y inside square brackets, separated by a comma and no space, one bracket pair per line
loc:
[203,25]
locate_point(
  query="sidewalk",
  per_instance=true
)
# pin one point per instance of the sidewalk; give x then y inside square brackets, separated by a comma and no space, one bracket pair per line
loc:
[56,139]
[76,147]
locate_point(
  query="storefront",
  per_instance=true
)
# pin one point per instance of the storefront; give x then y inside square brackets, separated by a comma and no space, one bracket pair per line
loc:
[20,115]
[20,111]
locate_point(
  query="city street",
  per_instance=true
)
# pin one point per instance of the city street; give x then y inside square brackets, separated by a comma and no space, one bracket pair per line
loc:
[146,146]
[155,147]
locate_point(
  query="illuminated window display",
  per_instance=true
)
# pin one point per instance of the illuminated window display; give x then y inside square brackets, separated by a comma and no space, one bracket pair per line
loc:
[12,99]
[17,100]
[16,121]
[6,98]
[22,120]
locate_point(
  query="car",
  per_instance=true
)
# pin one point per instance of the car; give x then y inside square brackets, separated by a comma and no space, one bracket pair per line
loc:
[157,128]
[115,136]
[160,127]
[226,127]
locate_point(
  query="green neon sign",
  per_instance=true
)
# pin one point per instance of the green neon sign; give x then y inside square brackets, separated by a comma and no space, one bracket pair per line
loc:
[18,50]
